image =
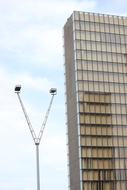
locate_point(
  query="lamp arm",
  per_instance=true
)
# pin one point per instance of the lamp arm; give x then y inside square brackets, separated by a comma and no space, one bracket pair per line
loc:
[27,119]
[45,119]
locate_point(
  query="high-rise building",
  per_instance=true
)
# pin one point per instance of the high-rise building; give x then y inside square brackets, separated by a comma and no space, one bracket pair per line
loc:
[96,97]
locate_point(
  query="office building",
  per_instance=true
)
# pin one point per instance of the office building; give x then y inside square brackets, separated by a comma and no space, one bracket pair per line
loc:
[96,96]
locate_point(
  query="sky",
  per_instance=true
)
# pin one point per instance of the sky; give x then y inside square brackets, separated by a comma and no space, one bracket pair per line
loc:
[32,54]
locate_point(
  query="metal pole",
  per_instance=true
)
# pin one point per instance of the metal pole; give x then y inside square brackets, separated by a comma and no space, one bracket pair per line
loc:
[37,162]
[53,92]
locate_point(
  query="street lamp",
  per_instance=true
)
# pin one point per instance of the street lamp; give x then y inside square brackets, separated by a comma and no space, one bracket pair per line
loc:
[36,139]
[17,88]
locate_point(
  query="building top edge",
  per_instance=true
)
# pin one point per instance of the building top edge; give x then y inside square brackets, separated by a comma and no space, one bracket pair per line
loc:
[96,17]
[99,14]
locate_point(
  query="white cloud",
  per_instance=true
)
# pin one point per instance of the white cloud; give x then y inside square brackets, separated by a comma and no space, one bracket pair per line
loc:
[38,83]
[120,2]
[40,9]
[32,30]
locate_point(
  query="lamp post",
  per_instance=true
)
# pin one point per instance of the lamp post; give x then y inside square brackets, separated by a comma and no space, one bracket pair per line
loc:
[36,139]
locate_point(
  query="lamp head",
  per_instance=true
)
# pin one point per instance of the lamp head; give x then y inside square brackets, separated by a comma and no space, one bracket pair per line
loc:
[53,91]
[17,88]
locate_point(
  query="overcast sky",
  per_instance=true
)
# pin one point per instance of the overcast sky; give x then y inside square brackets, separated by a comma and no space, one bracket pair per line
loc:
[31,54]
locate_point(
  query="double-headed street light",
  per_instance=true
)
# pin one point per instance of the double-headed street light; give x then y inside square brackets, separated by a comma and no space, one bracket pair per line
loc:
[36,139]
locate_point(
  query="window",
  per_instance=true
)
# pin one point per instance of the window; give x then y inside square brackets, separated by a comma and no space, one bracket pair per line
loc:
[79,65]
[92,26]
[93,37]
[116,20]
[81,16]
[104,57]
[87,35]
[103,46]
[92,17]
[96,16]
[98,46]
[102,37]
[76,15]
[88,130]
[121,30]
[77,26]
[77,34]
[86,16]
[83,44]
[87,26]
[80,77]
[111,78]
[80,96]
[78,44]
[88,45]
[98,37]
[113,47]
[78,53]
[94,56]
[114,58]
[93,46]
[82,25]
[95,66]
[80,85]
[119,58]
[85,77]
[89,54]
[108,37]
[106,19]
[102,28]
[109,47]
[99,56]
[117,29]
[117,39]
[84,55]
[97,28]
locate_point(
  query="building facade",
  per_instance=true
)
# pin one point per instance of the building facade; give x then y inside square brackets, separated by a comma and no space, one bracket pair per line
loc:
[96,97]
